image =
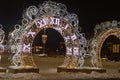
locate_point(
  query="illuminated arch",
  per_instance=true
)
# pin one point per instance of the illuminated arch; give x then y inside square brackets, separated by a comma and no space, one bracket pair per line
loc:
[2,36]
[103,38]
[102,32]
[48,15]
[66,30]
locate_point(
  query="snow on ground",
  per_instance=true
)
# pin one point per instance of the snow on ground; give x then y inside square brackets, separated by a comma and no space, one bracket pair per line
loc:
[48,71]
[59,76]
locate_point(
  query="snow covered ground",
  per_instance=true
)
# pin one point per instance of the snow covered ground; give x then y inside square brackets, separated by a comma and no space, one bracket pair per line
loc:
[48,71]
[59,76]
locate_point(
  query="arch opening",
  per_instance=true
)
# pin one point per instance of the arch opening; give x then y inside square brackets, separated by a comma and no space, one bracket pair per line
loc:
[111,48]
[54,45]
[55,54]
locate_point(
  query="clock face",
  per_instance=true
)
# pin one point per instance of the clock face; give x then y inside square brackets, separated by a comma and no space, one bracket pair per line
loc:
[61,25]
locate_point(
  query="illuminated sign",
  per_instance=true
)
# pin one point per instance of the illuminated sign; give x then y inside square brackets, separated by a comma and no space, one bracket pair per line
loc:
[26,48]
[76,51]
[30,33]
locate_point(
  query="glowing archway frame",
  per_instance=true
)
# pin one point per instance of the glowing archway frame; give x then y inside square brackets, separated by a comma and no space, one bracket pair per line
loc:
[2,36]
[102,32]
[53,15]
[63,27]
[47,15]
[103,38]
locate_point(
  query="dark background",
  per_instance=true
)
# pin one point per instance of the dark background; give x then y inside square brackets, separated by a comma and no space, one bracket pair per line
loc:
[90,12]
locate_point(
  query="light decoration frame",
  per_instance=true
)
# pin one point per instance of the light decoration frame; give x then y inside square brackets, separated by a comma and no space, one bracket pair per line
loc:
[101,32]
[49,15]
[2,36]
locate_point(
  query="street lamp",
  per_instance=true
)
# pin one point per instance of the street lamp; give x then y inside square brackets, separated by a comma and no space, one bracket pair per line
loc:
[44,39]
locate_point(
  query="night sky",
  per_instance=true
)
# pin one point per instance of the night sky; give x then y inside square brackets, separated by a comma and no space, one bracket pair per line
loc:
[90,12]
